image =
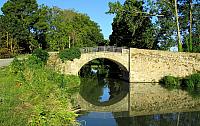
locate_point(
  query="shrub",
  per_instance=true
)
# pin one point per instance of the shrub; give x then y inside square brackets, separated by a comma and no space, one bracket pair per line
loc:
[17,66]
[192,81]
[5,53]
[34,62]
[70,54]
[41,54]
[170,82]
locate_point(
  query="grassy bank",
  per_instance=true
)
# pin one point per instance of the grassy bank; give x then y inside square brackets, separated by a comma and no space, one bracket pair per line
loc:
[32,94]
[190,83]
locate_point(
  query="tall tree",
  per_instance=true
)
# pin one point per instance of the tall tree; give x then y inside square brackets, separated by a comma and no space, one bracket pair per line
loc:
[131,26]
[69,28]
[190,29]
[19,15]
[189,23]
[172,5]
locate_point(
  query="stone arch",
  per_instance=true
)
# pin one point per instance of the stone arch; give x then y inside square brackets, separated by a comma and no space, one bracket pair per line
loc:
[118,63]
[118,58]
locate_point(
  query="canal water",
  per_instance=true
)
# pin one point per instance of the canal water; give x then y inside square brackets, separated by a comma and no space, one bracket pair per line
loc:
[113,102]
[107,100]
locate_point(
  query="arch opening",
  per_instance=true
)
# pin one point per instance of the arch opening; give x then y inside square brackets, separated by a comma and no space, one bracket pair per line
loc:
[103,82]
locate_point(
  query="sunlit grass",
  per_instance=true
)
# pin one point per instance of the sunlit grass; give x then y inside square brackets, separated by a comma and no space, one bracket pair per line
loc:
[36,95]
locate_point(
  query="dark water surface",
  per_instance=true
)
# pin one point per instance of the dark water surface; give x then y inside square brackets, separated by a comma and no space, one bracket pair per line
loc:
[169,119]
[112,102]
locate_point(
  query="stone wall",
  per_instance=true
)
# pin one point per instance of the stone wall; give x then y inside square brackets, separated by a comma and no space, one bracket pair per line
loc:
[152,65]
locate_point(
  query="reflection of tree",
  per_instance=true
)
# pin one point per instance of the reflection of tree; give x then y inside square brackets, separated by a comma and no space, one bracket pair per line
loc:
[171,119]
[92,89]
[115,89]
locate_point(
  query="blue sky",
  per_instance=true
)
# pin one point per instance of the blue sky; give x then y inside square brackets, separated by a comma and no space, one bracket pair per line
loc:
[94,8]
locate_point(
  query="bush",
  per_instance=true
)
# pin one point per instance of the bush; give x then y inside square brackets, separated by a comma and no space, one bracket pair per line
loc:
[170,82]
[70,54]
[34,62]
[41,54]
[17,66]
[192,81]
[5,53]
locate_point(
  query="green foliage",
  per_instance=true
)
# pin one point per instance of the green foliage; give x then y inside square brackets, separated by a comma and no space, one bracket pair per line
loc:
[69,28]
[192,81]
[170,82]
[41,54]
[131,26]
[36,95]
[18,20]
[70,54]
[17,66]
[26,26]
[34,62]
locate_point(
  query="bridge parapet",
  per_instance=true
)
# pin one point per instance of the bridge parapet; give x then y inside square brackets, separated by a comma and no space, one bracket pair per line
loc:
[104,49]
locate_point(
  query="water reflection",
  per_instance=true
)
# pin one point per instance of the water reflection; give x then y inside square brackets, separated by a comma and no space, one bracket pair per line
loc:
[169,119]
[148,105]
[103,91]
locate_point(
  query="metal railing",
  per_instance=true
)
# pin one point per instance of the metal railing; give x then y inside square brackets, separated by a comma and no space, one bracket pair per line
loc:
[102,49]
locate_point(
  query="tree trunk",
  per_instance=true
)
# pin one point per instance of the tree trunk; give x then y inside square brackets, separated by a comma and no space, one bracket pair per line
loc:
[7,40]
[11,45]
[69,42]
[190,31]
[178,119]
[180,49]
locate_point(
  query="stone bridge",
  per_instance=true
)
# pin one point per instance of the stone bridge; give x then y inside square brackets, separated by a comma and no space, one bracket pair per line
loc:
[141,64]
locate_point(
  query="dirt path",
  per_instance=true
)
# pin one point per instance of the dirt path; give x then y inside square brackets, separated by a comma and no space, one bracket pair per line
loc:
[5,62]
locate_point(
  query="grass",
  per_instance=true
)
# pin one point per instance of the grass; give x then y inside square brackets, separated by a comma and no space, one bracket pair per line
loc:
[23,56]
[32,94]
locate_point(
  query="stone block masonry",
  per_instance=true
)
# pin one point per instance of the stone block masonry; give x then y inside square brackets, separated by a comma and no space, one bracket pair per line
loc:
[152,65]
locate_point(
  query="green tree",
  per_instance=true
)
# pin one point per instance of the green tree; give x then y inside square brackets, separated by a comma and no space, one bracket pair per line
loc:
[166,26]
[196,27]
[189,11]
[72,29]
[40,27]
[132,25]
[19,15]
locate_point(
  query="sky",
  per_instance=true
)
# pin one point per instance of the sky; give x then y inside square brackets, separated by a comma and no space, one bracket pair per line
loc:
[95,9]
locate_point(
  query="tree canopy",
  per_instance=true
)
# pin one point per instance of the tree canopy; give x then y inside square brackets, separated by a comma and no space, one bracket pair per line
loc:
[131,27]
[156,24]
[25,26]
